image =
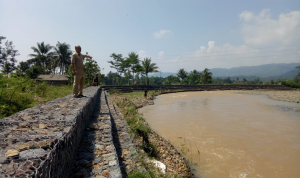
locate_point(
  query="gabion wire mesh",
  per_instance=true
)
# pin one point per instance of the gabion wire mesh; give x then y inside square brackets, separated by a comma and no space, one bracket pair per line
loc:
[194,87]
[42,141]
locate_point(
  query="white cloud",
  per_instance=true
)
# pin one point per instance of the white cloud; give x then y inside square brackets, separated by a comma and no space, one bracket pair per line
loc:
[257,30]
[161,54]
[246,15]
[225,56]
[142,54]
[162,33]
[261,29]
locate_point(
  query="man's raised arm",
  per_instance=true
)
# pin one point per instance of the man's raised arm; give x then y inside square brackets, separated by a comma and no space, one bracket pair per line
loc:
[87,56]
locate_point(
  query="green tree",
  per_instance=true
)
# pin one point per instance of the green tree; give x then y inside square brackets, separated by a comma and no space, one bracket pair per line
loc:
[1,38]
[182,74]
[217,81]
[171,80]
[91,68]
[148,67]
[193,78]
[206,77]
[43,56]
[70,73]
[227,80]
[133,63]
[62,53]
[256,81]
[297,77]
[117,63]
[112,78]
[23,66]
[156,80]
[34,71]
[8,56]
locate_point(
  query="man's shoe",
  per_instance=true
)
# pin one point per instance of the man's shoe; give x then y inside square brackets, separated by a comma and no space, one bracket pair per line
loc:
[81,96]
[78,96]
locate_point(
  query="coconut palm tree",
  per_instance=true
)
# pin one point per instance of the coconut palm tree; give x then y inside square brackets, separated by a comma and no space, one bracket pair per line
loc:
[42,56]
[182,74]
[133,63]
[63,56]
[148,67]
[206,76]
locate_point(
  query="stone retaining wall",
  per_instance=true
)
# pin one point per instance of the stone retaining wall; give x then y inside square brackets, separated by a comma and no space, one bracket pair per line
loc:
[41,141]
[195,87]
[124,142]
[97,156]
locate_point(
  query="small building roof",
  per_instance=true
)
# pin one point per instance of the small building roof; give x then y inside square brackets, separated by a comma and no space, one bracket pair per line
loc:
[54,77]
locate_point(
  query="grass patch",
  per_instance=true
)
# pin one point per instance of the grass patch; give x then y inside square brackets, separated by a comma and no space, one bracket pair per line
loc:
[151,94]
[151,173]
[139,128]
[19,93]
[137,123]
[113,91]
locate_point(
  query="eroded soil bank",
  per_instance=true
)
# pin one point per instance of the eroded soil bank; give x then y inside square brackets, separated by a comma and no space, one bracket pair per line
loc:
[175,163]
[232,133]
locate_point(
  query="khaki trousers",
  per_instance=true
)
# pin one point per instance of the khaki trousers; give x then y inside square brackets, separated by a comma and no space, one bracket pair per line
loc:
[78,84]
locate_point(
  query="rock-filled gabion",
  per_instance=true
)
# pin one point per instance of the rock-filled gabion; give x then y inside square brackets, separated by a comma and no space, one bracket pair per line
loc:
[97,156]
[41,141]
[129,88]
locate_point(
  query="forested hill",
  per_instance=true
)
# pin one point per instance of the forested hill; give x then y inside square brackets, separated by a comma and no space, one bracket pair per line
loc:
[261,71]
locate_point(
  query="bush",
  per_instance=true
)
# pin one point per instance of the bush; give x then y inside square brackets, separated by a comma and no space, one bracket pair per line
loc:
[34,71]
[291,83]
[114,91]
[150,149]
[41,89]
[138,174]
[19,93]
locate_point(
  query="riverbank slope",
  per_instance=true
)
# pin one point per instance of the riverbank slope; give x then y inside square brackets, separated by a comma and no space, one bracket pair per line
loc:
[157,147]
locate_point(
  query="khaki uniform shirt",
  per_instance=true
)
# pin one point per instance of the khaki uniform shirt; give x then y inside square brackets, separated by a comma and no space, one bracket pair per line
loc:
[77,59]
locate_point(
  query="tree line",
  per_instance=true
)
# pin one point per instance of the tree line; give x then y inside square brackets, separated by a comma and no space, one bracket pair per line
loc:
[130,69]
[45,59]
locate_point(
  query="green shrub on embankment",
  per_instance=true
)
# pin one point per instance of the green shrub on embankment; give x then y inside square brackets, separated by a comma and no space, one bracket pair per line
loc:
[294,83]
[150,95]
[140,130]
[150,174]
[291,83]
[137,125]
[19,93]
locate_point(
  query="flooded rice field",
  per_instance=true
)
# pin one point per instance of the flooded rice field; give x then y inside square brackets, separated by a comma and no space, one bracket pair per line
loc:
[230,133]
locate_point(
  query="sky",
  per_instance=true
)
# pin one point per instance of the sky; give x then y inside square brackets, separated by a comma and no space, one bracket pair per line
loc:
[175,34]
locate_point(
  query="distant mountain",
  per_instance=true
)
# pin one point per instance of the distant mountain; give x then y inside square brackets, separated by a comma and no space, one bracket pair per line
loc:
[266,72]
[261,71]
[290,73]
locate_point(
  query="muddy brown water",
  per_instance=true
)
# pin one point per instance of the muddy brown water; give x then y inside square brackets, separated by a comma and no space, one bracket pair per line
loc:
[229,134]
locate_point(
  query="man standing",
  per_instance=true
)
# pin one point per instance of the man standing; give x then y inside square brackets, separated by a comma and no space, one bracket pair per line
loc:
[77,70]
